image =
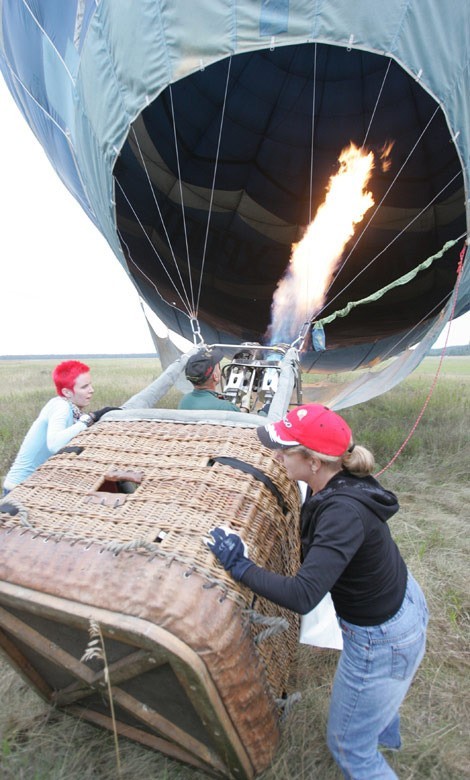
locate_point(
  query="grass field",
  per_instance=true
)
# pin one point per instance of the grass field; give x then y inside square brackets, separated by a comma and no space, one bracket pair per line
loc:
[431,480]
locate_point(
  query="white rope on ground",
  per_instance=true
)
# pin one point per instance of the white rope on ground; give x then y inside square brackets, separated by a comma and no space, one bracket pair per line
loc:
[286,704]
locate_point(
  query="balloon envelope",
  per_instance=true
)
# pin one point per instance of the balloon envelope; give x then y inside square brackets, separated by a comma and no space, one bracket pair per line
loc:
[201,145]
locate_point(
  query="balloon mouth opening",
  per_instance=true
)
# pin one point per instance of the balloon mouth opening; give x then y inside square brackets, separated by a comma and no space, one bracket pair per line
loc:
[220,177]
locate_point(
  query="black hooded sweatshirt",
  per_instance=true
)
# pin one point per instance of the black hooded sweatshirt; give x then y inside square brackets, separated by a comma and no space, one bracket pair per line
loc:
[347,549]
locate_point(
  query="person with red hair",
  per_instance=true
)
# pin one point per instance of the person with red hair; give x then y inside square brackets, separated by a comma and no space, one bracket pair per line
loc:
[61,419]
[65,374]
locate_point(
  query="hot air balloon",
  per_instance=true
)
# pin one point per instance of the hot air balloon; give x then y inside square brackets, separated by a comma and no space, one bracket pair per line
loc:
[201,144]
[202,140]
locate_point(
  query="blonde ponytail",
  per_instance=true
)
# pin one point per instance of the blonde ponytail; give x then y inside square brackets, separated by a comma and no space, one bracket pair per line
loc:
[358,460]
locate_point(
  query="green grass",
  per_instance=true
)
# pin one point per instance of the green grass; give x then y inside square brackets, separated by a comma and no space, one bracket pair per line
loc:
[431,480]
[452,366]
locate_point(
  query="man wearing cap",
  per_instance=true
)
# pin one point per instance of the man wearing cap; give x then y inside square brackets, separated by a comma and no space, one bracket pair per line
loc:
[204,372]
[347,549]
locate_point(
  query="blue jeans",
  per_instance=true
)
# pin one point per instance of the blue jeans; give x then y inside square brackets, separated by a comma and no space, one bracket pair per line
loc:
[374,672]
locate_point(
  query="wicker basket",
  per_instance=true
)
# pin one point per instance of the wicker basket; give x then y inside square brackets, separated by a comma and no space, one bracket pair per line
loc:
[111,530]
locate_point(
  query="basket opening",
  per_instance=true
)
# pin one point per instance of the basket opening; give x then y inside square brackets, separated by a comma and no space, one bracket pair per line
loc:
[118,486]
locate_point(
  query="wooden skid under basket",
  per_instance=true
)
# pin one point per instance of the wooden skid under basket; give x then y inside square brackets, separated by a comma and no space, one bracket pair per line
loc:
[195,672]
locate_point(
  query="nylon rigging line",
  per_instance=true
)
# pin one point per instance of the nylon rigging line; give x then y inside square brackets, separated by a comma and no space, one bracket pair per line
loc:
[138,269]
[438,371]
[429,313]
[376,104]
[400,281]
[406,334]
[163,221]
[411,152]
[229,66]
[425,317]
[193,309]
[312,135]
[86,204]
[312,138]
[185,304]
[312,142]
[50,41]
[417,216]
[304,331]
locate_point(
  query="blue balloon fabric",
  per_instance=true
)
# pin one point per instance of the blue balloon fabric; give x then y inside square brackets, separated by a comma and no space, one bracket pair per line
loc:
[201,144]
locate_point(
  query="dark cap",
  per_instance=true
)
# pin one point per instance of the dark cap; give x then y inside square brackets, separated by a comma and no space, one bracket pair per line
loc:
[201,365]
[314,426]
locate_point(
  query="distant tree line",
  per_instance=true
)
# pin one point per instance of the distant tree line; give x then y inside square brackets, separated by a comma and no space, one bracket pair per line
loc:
[80,357]
[460,350]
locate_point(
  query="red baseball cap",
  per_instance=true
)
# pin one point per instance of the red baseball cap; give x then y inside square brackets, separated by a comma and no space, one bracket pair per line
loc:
[313,426]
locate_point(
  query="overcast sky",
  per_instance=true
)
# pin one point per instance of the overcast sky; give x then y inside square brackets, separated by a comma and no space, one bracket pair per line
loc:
[62,289]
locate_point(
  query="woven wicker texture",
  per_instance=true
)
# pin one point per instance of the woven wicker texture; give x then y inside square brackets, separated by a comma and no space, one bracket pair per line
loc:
[179,495]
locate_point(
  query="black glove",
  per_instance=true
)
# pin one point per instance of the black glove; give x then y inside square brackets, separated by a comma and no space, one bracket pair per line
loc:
[230,549]
[99,413]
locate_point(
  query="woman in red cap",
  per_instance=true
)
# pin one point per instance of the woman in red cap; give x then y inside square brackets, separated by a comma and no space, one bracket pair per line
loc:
[347,549]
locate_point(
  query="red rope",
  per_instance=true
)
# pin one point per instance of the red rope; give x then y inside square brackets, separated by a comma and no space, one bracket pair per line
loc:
[438,371]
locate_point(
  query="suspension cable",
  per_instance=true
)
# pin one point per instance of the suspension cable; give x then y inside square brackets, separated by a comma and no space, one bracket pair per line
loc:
[376,104]
[229,66]
[341,291]
[384,249]
[180,184]
[414,327]
[312,138]
[184,303]
[399,282]
[410,153]
[379,95]
[304,331]
[312,135]
[140,270]
[51,43]
[167,236]
[434,382]
[195,327]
